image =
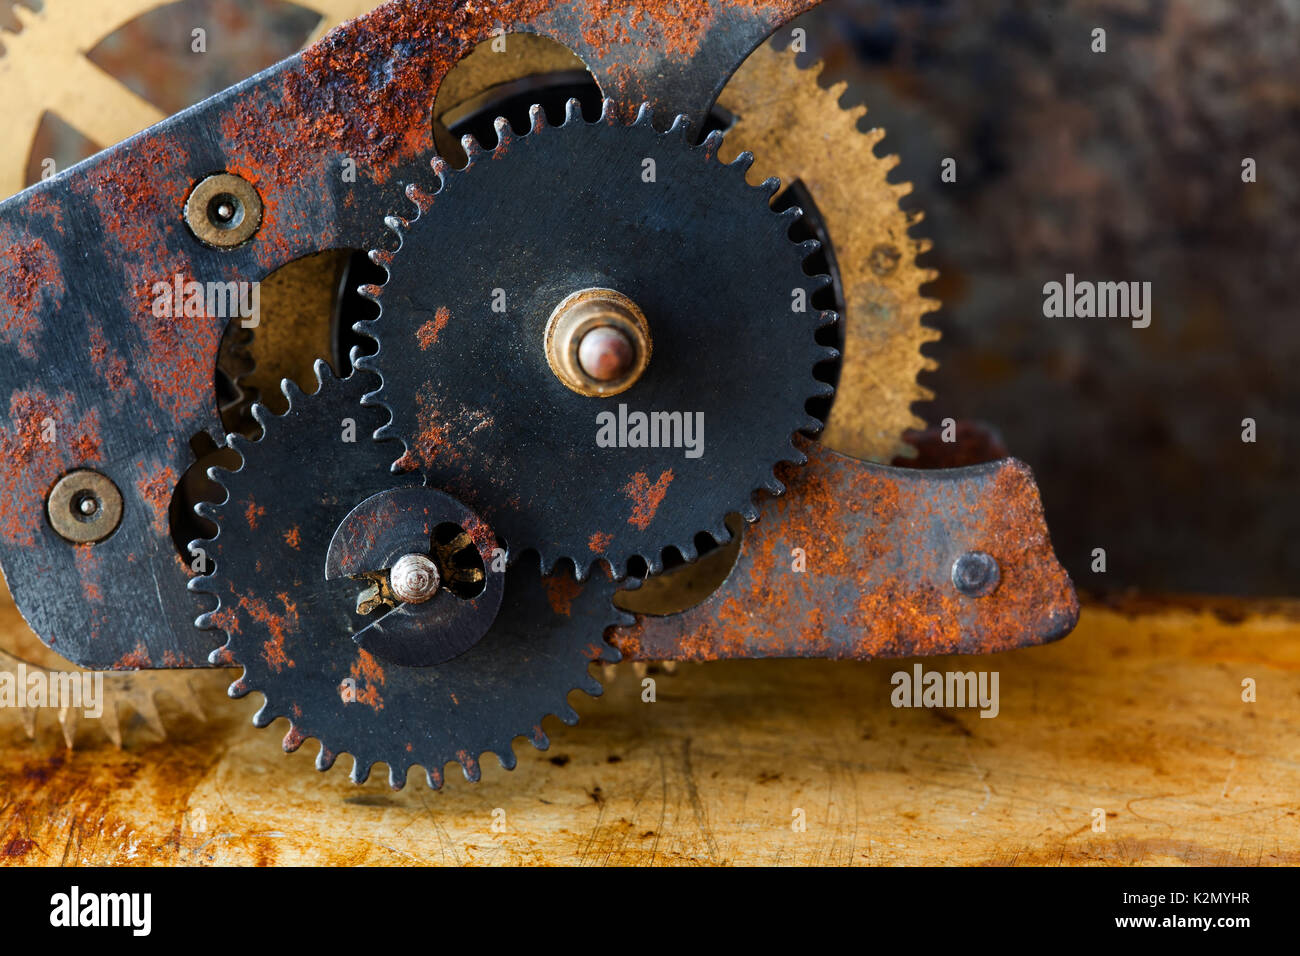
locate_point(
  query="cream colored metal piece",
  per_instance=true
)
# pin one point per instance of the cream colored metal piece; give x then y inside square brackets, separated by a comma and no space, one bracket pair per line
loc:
[84,506]
[597,342]
[223,211]
[797,130]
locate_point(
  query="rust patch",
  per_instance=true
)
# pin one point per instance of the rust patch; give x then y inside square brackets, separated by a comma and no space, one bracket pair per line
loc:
[599,541]
[646,497]
[253,513]
[156,490]
[40,444]
[426,336]
[560,592]
[279,624]
[292,538]
[134,660]
[31,285]
[366,670]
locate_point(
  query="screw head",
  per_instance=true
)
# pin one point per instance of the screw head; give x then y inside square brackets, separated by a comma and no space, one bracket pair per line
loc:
[414,578]
[606,354]
[976,574]
[84,506]
[223,210]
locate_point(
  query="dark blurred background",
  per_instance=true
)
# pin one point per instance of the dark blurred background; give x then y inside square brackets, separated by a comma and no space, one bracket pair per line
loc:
[1116,166]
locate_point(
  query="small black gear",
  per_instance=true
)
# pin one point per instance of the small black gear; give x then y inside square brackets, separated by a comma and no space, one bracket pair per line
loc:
[493,250]
[291,628]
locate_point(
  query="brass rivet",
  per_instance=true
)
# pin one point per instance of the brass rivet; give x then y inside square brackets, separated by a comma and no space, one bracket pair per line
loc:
[84,506]
[223,211]
[597,342]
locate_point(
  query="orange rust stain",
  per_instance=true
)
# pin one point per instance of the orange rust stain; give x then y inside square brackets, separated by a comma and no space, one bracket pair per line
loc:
[253,513]
[427,334]
[110,366]
[599,541]
[292,538]
[88,567]
[31,285]
[155,490]
[280,624]
[560,592]
[38,444]
[646,497]
[366,670]
[133,660]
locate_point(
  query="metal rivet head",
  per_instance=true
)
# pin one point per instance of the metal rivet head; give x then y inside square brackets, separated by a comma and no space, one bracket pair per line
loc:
[84,506]
[414,578]
[223,211]
[976,574]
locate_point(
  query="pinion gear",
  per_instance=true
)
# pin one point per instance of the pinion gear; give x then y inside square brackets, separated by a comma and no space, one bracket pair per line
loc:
[291,628]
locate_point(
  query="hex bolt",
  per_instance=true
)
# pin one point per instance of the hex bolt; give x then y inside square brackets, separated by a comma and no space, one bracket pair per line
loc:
[223,211]
[976,574]
[597,342]
[414,578]
[84,506]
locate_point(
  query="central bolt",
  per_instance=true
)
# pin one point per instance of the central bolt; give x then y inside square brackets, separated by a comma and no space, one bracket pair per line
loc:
[414,578]
[597,342]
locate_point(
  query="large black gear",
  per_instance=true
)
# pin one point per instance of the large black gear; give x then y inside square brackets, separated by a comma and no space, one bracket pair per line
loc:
[708,261]
[291,629]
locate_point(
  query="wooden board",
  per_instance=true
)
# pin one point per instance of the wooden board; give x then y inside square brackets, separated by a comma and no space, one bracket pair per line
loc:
[1137,715]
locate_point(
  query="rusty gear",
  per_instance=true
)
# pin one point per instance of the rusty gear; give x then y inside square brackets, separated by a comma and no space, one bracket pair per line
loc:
[474,397]
[292,627]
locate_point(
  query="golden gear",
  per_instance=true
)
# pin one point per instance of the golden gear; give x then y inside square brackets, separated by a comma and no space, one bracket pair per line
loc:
[797,130]
[44,69]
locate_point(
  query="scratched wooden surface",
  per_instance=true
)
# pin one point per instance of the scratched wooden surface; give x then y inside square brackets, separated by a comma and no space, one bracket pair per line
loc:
[1138,714]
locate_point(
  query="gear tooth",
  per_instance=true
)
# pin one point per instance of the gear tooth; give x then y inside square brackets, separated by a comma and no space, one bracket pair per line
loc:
[644,113]
[396,777]
[290,390]
[819,282]
[771,186]
[655,563]
[323,373]
[829,317]
[808,247]
[712,143]
[536,119]
[567,715]
[774,484]
[238,688]
[433,776]
[743,162]
[325,759]
[442,169]
[380,257]
[506,756]
[688,551]
[505,135]
[470,766]
[208,510]
[572,111]
[293,739]
[472,149]
[396,225]
[539,739]
[749,512]
[360,771]
[590,686]
[681,127]
[264,716]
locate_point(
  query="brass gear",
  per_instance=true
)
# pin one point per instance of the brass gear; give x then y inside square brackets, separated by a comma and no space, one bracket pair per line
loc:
[798,131]
[44,68]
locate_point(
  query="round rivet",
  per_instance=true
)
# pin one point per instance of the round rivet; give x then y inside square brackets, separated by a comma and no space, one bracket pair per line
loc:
[223,211]
[84,506]
[414,578]
[976,574]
